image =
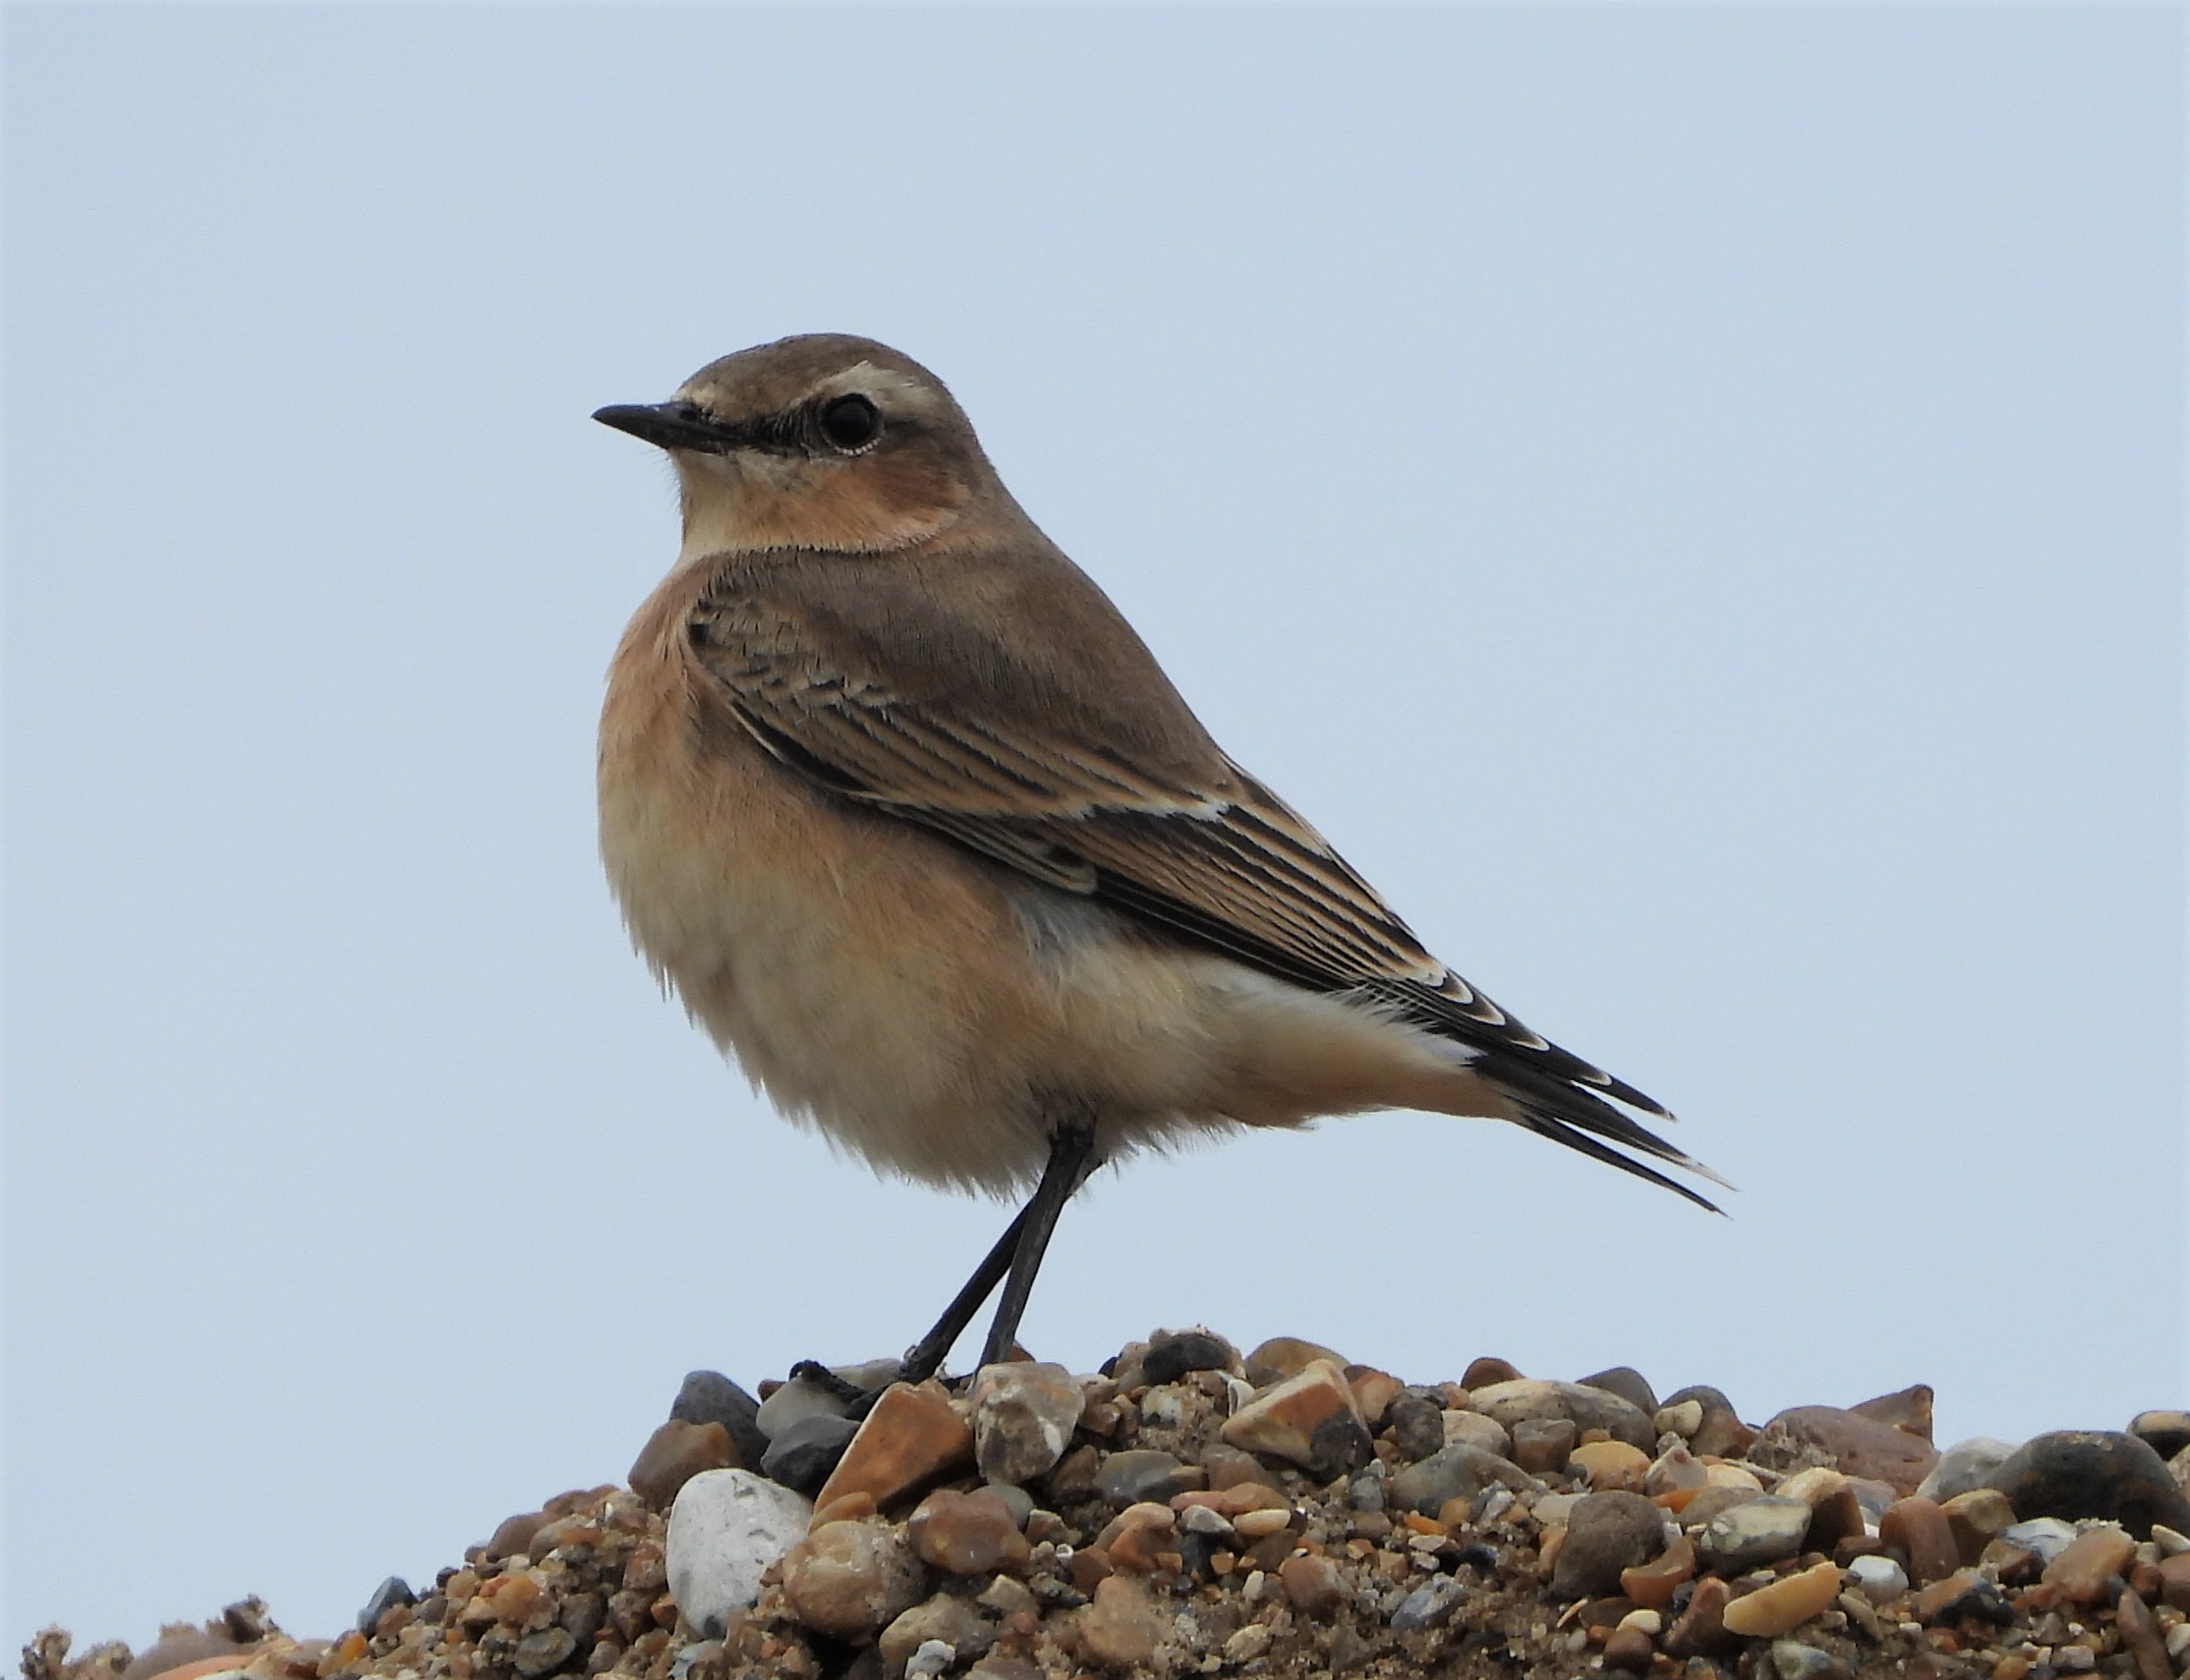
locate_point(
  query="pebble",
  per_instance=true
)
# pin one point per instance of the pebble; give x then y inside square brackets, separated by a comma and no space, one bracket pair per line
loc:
[1374,1392]
[1540,1444]
[673,1455]
[1966,1592]
[1121,1628]
[1023,1418]
[1287,1355]
[2174,1581]
[1307,1419]
[390,1594]
[1859,1445]
[933,1658]
[1172,1354]
[1977,1519]
[1792,1659]
[1456,1472]
[1784,1605]
[944,1617]
[1629,1651]
[1138,1473]
[1428,1606]
[1964,1466]
[1760,1531]
[2046,1537]
[1922,1532]
[1607,1534]
[2166,1432]
[542,1653]
[707,1397]
[1714,1500]
[725,1529]
[1907,1410]
[1313,1586]
[1683,1419]
[911,1438]
[1612,1466]
[968,1534]
[803,1397]
[1653,1584]
[850,1580]
[2142,1639]
[1487,1368]
[2080,1571]
[1525,1399]
[1673,1469]
[1701,1630]
[802,1456]
[1721,1433]
[2077,1473]
[1880,1579]
[1418,1428]
[1628,1383]
[2172,1542]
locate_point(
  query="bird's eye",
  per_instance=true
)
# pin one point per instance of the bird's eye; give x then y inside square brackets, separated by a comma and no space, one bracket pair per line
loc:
[851,422]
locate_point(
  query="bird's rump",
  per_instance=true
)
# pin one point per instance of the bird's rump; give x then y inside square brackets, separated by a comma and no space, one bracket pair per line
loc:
[850,673]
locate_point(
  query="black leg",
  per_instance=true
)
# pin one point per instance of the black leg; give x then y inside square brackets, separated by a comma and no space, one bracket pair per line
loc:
[1069,1153]
[927,1355]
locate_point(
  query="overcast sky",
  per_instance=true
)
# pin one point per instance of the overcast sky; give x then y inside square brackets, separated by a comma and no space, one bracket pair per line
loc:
[1690,500]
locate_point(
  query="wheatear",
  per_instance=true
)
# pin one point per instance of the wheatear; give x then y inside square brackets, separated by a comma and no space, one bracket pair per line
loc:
[912,821]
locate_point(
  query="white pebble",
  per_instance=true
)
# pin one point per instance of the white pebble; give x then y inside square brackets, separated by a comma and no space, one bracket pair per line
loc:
[1879,1579]
[726,1528]
[934,1656]
[1643,1622]
[2172,1543]
[1256,1584]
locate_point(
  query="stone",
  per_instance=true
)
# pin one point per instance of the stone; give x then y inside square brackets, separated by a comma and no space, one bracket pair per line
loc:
[933,1658]
[1784,1605]
[1612,1466]
[1456,1472]
[800,1398]
[912,1439]
[2081,1570]
[1964,1595]
[2044,1537]
[1121,1628]
[1627,1650]
[1683,1419]
[968,1534]
[1228,1467]
[1920,1530]
[1965,1467]
[1172,1354]
[707,1397]
[1627,1383]
[1880,1579]
[943,1617]
[1859,1445]
[1706,1507]
[850,1580]
[1701,1631]
[1540,1444]
[1792,1659]
[1523,1400]
[1138,1473]
[673,1455]
[1287,1355]
[1486,1369]
[1721,1433]
[1428,1606]
[2077,1473]
[1374,1392]
[1907,1410]
[2166,1432]
[1307,1419]
[1977,1517]
[2142,1639]
[726,1527]
[1417,1426]
[390,1594]
[2174,1581]
[1313,1586]
[802,1456]
[542,1653]
[1607,1534]
[1765,1530]
[1023,1418]
[1673,1470]
[1652,1585]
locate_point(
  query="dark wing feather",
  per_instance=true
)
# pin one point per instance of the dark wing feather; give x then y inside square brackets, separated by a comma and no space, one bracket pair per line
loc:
[1214,859]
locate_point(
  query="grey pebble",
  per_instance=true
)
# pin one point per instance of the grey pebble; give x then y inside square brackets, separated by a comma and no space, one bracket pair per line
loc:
[707,1397]
[1172,1355]
[1137,1474]
[803,1453]
[1456,1472]
[1428,1606]
[1759,1531]
[1964,1468]
[543,1652]
[390,1594]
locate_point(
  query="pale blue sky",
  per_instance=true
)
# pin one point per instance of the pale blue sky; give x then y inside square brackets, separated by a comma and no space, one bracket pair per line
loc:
[1690,499]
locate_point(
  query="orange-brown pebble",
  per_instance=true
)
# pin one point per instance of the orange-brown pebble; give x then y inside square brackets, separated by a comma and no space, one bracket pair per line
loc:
[1312,1586]
[968,1534]
[1786,1604]
[1089,1564]
[2082,1569]
[1287,1421]
[1920,1529]
[673,1455]
[515,1598]
[1652,1585]
[1976,1518]
[845,1508]
[912,1439]
[1373,1391]
[1120,1628]
[345,1652]
[1286,1356]
[1628,1650]
[1611,1465]
[1482,1372]
[2013,1666]
[224,1663]
[850,1580]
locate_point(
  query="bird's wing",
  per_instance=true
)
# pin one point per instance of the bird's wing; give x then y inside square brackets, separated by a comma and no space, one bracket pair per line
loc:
[1199,849]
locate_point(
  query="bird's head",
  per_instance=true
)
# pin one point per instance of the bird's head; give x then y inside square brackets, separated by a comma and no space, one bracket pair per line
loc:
[821,442]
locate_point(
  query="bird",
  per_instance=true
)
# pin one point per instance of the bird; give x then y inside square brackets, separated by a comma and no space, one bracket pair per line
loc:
[914,825]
